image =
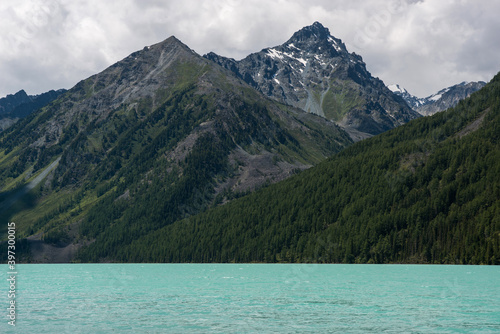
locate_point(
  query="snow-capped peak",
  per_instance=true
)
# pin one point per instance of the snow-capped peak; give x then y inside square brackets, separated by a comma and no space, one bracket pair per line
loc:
[445,98]
[412,100]
[395,88]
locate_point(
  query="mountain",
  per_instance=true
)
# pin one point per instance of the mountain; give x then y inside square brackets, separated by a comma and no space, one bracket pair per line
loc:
[159,136]
[413,101]
[36,102]
[425,192]
[6,122]
[442,100]
[448,97]
[314,71]
[8,103]
[20,105]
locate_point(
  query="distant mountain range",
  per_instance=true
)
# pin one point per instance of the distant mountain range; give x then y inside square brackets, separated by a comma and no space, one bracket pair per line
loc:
[8,103]
[442,100]
[313,71]
[19,105]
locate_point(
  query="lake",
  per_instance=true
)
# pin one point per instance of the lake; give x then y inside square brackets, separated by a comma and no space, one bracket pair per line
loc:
[252,298]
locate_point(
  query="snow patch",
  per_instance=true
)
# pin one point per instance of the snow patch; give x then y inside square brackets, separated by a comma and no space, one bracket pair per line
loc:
[275,54]
[435,97]
[334,43]
[396,89]
[302,60]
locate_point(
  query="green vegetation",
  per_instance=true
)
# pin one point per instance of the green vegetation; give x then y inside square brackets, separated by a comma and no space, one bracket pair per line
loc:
[171,192]
[342,97]
[141,165]
[152,176]
[426,192]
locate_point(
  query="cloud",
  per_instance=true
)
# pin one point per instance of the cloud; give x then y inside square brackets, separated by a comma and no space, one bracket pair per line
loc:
[422,45]
[433,44]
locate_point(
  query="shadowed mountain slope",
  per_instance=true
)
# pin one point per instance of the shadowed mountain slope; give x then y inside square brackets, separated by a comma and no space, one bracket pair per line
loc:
[425,192]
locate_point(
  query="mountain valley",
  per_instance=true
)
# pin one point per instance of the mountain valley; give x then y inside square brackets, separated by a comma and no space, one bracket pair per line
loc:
[160,135]
[168,156]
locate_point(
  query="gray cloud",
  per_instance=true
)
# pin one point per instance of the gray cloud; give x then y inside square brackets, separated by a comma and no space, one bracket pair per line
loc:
[422,45]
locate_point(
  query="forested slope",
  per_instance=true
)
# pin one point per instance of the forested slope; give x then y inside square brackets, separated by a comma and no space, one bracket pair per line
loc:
[156,137]
[426,192]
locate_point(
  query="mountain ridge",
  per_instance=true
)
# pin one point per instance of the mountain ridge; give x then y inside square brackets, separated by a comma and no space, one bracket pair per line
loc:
[19,105]
[425,192]
[314,72]
[9,102]
[164,126]
[134,153]
[442,100]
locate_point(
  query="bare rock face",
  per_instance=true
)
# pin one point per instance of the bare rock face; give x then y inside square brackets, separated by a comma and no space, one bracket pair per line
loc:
[314,72]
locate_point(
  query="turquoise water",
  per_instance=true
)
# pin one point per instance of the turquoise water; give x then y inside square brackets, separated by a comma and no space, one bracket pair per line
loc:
[253,298]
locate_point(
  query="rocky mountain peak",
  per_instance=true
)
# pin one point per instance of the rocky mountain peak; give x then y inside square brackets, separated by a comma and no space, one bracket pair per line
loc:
[316,31]
[314,72]
[170,42]
[316,39]
[157,54]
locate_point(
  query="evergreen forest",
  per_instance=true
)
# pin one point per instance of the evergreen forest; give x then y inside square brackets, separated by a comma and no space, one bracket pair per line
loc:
[425,192]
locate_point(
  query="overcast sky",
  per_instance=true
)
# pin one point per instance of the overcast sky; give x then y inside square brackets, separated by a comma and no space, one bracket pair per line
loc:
[422,45]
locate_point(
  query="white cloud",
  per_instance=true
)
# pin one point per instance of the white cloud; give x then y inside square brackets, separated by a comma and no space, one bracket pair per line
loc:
[422,45]
[433,44]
